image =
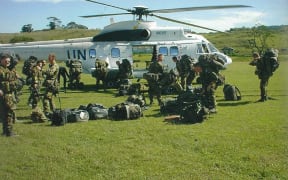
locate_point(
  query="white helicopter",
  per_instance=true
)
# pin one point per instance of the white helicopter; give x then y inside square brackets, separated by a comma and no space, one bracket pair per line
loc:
[124,39]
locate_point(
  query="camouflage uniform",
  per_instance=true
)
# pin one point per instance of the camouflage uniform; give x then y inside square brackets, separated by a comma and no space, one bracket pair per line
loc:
[264,70]
[37,80]
[8,83]
[100,73]
[124,71]
[51,87]
[156,68]
[75,70]
[186,72]
[209,76]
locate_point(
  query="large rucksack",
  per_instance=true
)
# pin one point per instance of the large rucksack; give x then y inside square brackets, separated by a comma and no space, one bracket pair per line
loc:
[186,63]
[75,66]
[231,92]
[127,66]
[271,57]
[125,111]
[28,64]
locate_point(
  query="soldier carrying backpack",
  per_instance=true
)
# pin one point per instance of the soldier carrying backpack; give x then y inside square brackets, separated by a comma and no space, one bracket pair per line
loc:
[100,73]
[266,65]
[75,70]
[26,69]
[186,72]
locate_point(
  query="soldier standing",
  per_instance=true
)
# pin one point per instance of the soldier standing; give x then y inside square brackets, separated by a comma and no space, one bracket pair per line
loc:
[8,82]
[124,70]
[265,66]
[100,73]
[157,69]
[37,80]
[50,83]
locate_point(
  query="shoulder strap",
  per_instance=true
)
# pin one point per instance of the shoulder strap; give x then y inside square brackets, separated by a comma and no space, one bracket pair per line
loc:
[238,93]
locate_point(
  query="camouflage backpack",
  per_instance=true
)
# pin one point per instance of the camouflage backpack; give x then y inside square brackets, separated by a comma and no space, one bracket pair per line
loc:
[75,66]
[101,68]
[186,63]
[127,66]
[271,58]
[28,64]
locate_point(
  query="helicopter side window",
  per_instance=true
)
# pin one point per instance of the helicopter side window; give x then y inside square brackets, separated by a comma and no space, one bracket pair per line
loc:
[92,53]
[174,51]
[115,52]
[163,50]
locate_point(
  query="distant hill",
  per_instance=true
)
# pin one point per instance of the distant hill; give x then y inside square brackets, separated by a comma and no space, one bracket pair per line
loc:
[236,38]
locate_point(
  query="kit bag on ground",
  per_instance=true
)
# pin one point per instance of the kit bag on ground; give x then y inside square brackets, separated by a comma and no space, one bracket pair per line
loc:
[125,111]
[60,117]
[231,93]
[123,89]
[97,111]
[170,106]
[137,99]
[193,112]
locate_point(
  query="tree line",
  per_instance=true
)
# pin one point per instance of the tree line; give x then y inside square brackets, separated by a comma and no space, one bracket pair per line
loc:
[54,23]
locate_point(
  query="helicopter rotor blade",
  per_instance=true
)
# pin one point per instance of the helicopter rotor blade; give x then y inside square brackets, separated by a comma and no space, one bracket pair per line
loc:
[197,8]
[182,22]
[100,15]
[109,5]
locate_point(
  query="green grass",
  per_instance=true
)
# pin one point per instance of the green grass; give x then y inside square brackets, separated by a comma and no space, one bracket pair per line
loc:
[244,140]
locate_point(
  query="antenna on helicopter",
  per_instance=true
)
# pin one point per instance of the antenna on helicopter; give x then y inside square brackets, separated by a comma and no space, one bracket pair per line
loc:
[140,11]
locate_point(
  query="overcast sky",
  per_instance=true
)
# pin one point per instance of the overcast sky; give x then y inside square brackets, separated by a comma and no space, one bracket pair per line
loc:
[16,13]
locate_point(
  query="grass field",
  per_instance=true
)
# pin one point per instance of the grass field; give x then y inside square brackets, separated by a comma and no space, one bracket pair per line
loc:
[244,140]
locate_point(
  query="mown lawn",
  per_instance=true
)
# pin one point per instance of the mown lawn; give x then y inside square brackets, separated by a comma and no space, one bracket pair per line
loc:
[244,140]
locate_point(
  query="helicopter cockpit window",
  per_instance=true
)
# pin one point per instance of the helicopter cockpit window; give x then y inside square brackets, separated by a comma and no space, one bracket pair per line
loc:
[199,49]
[163,50]
[174,51]
[202,49]
[205,48]
[115,52]
[212,48]
[92,53]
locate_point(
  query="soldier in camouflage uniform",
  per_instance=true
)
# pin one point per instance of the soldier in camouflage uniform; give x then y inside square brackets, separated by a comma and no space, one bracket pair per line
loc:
[124,70]
[156,68]
[75,70]
[265,66]
[37,80]
[50,83]
[208,66]
[8,83]
[100,73]
[186,72]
